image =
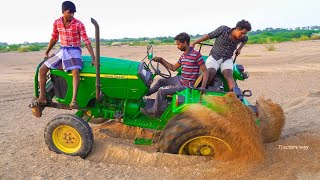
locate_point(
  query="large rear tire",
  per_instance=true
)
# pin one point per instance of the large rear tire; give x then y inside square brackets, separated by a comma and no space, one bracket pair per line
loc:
[69,134]
[224,128]
[188,136]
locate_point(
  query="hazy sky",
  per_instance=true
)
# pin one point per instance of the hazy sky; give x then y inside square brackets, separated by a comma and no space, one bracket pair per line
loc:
[32,20]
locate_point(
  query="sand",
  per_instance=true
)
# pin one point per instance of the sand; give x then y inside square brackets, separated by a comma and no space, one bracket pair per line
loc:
[289,76]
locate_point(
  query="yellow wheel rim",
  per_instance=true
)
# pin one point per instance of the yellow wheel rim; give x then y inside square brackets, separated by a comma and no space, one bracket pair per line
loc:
[203,146]
[66,139]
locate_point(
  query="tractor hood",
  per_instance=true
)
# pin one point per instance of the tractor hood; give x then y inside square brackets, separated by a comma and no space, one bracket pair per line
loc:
[111,67]
[119,78]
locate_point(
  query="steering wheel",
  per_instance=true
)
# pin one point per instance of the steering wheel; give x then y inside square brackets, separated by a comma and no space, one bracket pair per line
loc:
[166,75]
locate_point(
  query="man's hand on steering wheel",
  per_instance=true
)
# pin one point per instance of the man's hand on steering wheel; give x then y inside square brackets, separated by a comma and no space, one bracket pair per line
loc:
[159,60]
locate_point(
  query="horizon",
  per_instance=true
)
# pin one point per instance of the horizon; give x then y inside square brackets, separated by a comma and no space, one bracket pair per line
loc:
[126,19]
[101,38]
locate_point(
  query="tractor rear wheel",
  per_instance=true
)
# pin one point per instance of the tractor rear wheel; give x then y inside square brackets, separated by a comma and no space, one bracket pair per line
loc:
[188,136]
[69,134]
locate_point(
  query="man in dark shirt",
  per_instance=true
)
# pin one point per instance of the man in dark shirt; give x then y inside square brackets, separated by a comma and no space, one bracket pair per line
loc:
[227,40]
[190,61]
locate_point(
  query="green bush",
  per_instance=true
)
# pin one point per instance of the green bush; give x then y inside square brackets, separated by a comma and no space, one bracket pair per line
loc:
[23,49]
[280,35]
[270,47]
[105,44]
[29,48]
[139,43]
[4,49]
[13,47]
[156,42]
[270,44]
[315,36]
[304,38]
[34,48]
[168,40]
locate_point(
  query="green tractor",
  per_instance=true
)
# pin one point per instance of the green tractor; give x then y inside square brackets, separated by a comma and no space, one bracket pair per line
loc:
[115,90]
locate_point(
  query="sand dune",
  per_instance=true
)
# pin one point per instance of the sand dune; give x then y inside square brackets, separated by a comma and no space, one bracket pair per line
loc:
[311,99]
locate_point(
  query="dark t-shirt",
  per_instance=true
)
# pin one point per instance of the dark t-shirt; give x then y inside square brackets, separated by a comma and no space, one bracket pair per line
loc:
[224,46]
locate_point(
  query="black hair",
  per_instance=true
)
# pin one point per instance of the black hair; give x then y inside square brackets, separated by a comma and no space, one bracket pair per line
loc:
[68,5]
[183,37]
[243,24]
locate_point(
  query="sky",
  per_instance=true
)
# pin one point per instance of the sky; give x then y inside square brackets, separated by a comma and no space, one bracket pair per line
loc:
[32,20]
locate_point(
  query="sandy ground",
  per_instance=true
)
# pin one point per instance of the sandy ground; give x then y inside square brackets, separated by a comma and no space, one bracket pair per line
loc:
[288,76]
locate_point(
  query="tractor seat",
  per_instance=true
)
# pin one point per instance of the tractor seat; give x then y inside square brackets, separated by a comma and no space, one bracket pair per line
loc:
[198,82]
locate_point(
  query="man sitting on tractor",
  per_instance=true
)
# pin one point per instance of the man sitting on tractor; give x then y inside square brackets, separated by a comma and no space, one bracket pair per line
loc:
[191,62]
[226,43]
[68,57]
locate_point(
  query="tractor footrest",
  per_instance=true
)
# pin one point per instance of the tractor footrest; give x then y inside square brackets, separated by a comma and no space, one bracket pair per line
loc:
[58,105]
[143,141]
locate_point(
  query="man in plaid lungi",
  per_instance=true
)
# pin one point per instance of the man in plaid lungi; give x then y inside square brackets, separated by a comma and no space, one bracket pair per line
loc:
[227,40]
[68,58]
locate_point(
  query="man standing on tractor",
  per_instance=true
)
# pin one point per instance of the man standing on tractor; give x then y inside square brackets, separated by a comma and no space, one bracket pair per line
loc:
[191,62]
[68,58]
[227,40]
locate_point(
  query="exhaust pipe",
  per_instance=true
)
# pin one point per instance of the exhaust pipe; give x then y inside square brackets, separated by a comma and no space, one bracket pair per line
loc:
[97,37]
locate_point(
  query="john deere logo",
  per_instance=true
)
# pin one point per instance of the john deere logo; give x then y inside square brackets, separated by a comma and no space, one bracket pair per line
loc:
[115,76]
[112,76]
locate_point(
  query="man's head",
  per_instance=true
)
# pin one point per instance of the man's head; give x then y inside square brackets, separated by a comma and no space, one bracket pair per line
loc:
[242,28]
[68,10]
[182,41]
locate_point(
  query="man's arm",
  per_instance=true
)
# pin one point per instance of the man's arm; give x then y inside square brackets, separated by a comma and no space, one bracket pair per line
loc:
[54,39]
[87,42]
[93,57]
[240,47]
[167,64]
[214,34]
[243,42]
[203,68]
[203,38]
[50,46]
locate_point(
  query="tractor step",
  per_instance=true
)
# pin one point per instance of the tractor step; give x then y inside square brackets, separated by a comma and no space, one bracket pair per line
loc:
[37,109]
[143,141]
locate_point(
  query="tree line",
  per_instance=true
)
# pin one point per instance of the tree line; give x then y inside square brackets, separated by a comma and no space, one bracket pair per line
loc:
[265,36]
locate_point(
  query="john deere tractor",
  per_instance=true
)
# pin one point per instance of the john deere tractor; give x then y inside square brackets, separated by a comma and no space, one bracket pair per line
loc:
[115,90]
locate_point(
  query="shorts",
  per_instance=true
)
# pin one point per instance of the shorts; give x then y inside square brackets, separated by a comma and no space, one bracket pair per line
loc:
[216,64]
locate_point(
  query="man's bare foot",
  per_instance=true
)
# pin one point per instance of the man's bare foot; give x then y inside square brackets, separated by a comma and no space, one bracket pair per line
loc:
[42,101]
[74,105]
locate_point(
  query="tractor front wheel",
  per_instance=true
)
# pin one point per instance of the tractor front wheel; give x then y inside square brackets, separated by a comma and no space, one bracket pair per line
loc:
[69,134]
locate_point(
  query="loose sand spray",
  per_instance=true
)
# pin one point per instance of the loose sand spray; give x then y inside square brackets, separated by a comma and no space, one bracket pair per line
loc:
[272,119]
[232,121]
[235,124]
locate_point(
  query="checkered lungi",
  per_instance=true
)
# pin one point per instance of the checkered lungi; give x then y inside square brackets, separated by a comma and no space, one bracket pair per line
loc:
[67,58]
